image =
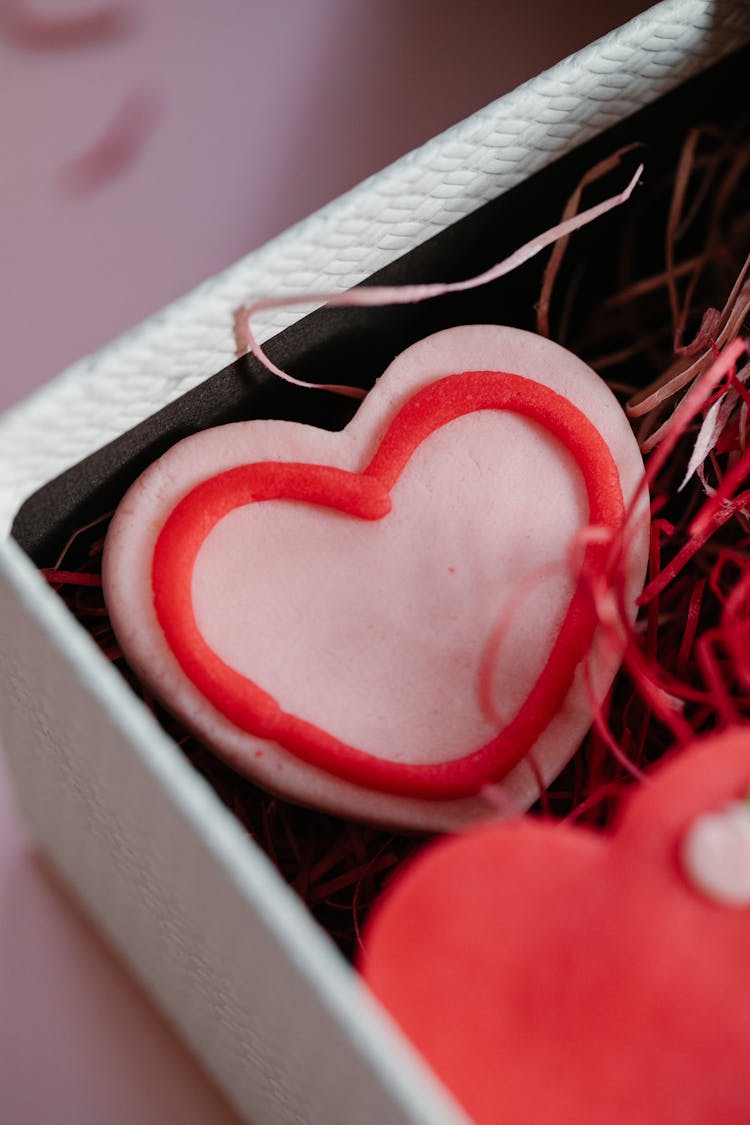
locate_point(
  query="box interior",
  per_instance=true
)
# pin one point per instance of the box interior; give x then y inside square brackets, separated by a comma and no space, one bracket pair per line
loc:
[354,346]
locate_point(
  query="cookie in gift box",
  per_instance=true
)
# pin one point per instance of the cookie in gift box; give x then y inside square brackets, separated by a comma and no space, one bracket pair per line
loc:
[190,943]
[319,607]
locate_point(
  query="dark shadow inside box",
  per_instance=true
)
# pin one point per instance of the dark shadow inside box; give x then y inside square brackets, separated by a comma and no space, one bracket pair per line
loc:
[338,868]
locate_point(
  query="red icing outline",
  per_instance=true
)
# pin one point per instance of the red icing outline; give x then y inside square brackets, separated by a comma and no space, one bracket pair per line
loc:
[366,496]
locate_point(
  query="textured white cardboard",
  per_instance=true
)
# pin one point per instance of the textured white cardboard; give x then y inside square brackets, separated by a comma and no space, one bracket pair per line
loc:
[199,914]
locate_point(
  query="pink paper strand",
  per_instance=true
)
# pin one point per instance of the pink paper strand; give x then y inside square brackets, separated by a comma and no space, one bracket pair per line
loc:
[378,295]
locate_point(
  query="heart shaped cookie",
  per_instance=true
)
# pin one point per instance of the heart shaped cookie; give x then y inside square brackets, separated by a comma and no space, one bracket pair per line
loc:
[551,973]
[317,606]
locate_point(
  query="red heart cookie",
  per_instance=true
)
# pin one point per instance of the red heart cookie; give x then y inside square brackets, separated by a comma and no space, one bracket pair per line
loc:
[317,605]
[551,973]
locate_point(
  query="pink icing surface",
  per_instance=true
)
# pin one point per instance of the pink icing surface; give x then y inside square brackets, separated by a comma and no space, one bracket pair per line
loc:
[376,632]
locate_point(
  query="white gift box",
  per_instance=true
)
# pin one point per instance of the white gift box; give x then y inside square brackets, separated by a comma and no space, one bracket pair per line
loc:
[196,910]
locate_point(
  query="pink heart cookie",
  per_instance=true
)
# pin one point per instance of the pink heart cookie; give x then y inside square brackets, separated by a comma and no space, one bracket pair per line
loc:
[316,606]
[553,973]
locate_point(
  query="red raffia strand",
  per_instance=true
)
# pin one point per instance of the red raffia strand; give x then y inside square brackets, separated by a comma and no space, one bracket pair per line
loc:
[680,220]
[602,728]
[693,372]
[117,148]
[689,407]
[686,659]
[724,172]
[558,252]
[714,680]
[353,877]
[386,869]
[37,31]
[687,552]
[736,627]
[374,296]
[675,227]
[691,627]
[491,656]
[71,578]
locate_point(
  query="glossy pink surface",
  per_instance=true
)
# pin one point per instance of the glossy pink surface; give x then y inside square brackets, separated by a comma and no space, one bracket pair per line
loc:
[235,119]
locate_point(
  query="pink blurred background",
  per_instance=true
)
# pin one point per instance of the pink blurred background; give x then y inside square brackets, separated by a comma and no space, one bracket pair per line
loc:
[135,165]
